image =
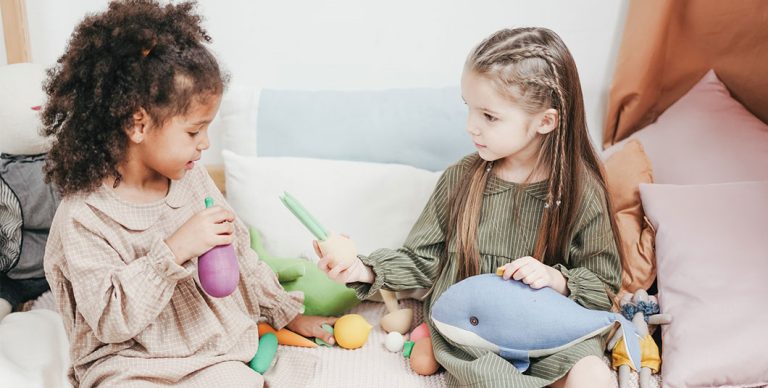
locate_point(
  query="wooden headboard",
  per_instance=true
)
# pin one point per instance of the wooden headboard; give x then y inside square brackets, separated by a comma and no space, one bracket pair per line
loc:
[15,30]
[17,48]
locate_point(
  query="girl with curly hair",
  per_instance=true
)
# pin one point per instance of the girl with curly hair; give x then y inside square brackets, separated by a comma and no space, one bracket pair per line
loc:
[128,110]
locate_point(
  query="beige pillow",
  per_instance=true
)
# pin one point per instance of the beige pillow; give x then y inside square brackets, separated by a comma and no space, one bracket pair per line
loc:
[625,170]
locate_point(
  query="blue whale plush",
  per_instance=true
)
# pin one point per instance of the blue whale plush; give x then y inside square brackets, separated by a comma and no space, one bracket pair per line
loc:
[517,322]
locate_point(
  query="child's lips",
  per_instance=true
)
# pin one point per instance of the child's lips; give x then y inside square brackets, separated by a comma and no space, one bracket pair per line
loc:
[477,145]
[190,164]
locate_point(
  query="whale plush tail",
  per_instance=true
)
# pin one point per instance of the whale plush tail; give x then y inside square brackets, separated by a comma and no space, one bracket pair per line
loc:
[631,340]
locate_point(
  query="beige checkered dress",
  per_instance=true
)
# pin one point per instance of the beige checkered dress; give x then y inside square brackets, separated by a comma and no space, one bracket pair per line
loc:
[507,231]
[136,318]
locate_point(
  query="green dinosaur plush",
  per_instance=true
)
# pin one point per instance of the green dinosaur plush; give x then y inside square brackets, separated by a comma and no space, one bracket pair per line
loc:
[322,296]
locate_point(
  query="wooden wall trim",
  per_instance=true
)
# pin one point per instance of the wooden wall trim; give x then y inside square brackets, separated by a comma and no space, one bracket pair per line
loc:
[15,31]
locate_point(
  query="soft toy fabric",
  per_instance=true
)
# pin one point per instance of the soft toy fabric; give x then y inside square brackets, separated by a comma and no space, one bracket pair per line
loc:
[322,296]
[517,322]
[20,105]
[27,204]
[643,310]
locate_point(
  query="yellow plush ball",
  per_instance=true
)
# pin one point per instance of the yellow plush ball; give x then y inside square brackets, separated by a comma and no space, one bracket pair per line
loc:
[351,331]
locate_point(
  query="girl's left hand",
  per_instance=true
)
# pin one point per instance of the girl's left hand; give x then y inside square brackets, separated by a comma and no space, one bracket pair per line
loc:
[311,326]
[531,272]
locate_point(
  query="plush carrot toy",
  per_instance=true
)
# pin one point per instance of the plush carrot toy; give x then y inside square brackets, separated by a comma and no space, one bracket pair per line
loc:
[286,337]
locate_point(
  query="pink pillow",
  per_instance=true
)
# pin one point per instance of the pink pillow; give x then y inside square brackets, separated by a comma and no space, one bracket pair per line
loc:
[712,261]
[705,137]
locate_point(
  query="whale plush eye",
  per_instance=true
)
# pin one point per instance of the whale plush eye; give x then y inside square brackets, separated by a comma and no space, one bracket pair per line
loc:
[474,321]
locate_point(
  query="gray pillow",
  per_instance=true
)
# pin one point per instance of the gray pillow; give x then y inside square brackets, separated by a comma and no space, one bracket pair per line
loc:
[422,127]
[24,193]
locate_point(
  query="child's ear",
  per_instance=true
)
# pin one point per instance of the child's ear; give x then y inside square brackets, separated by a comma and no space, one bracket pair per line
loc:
[138,129]
[547,121]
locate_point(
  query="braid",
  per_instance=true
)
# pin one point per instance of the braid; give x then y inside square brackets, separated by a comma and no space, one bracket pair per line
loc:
[554,194]
[503,54]
[563,116]
[535,70]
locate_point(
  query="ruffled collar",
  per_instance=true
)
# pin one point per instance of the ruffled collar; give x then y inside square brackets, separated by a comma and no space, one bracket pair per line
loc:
[497,185]
[139,216]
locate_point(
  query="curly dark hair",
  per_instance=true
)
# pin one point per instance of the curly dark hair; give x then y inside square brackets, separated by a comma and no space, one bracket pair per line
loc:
[137,54]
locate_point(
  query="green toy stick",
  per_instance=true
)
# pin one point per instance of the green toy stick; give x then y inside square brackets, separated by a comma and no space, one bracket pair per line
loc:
[304,216]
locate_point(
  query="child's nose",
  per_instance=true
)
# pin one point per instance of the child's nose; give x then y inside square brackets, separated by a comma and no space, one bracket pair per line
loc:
[204,143]
[472,129]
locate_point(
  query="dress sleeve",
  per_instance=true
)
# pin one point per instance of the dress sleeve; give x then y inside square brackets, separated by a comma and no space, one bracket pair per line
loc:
[593,268]
[417,263]
[116,299]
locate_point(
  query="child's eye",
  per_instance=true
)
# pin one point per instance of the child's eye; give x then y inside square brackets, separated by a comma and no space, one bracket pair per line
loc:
[193,134]
[489,117]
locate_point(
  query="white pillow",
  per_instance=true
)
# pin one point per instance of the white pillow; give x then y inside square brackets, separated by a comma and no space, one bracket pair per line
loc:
[34,350]
[375,204]
[232,129]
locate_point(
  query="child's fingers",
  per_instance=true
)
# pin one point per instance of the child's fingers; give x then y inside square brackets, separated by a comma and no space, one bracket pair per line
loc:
[336,271]
[513,270]
[510,269]
[324,335]
[219,214]
[535,277]
[224,228]
[224,239]
[522,272]
[539,283]
[324,264]
[330,320]
[316,246]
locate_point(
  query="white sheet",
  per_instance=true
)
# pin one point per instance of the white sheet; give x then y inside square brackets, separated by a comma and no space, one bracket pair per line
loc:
[34,351]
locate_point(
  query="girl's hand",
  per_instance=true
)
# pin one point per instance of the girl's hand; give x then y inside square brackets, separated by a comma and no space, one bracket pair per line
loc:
[535,274]
[343,271]
[311,326]
[205,230]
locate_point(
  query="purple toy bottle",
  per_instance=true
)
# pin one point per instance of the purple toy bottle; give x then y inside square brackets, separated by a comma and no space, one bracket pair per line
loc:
[218,269]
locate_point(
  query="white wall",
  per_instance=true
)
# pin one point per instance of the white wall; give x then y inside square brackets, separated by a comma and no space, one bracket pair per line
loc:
[352,44]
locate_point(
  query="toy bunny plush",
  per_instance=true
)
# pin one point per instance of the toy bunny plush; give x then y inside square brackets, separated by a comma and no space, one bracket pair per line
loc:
[643,310]
[27,203]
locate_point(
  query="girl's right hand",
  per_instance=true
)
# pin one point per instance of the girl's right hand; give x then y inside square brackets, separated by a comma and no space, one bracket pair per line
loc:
[344,271]
[205,230]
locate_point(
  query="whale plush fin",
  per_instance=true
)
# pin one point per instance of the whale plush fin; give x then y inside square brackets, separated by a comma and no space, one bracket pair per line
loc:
[631,341]
[518,358]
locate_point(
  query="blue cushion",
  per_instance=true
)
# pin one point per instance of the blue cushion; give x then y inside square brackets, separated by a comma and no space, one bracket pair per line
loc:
[422,127]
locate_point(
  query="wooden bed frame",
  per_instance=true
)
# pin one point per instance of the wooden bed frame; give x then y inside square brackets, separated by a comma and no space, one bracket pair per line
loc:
[15,30]
[17,48]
